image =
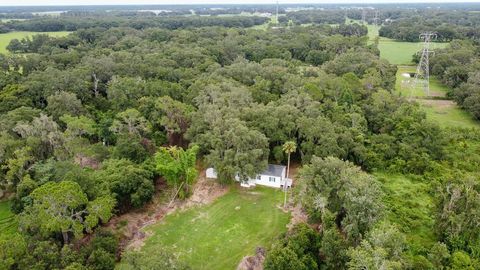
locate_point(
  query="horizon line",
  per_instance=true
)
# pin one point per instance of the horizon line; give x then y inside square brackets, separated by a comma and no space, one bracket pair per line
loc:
[329,2]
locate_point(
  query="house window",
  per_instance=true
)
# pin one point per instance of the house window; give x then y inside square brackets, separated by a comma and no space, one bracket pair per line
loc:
[271,179]
[259,177]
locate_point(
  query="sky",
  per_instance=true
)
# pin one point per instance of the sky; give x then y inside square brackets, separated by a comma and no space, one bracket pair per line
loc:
[173,2]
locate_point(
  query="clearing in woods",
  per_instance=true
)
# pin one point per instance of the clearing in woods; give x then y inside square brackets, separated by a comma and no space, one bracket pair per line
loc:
[396,52]
[401,53]
[445,112]
[7,37]
[220,234]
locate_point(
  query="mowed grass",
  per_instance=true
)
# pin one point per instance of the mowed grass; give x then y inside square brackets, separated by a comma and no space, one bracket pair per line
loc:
[7,37]
[8,223]
[403,84]
[401,53]
[219,235]
[409,204]
[445,113]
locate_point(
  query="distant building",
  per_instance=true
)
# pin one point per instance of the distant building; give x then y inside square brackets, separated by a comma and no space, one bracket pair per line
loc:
[265,14]
[273,176]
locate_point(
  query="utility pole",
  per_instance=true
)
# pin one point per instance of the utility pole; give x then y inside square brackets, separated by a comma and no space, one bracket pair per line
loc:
[276,16]
[364,16]
[422,75]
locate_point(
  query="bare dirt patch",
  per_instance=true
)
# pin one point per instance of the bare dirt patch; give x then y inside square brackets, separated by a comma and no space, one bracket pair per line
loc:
[253,262]
[130,225]
[438,103]
[298,216]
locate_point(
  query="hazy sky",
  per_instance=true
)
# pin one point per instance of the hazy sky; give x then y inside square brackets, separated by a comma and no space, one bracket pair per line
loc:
[165,2]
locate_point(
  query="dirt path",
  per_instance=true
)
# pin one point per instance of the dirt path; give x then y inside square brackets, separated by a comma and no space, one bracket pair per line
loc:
[130,224]
[438,103]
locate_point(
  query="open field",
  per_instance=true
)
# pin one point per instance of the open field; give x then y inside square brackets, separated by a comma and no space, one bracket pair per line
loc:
[446,113]
[372,31]
[400,53]
[396,52]
[10,20]
[8,224]
[7,37]
[219,235]
[437,89]
[409,204]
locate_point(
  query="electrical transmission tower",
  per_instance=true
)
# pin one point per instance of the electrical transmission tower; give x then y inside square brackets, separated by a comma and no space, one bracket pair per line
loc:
[375,18]
[364,16]
[276,15]
[422,76]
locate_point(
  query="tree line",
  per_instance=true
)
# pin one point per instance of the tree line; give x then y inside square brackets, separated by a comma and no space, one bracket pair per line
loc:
[448,24]
[71,23]
[457,66]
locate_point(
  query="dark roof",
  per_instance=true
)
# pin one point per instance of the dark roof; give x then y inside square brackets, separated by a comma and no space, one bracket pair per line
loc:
[274,170]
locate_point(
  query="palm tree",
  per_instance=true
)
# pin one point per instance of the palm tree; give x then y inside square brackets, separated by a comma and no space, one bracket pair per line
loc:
[288,147]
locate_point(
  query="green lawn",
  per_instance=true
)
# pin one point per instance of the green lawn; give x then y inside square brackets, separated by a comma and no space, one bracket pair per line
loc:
[8,224]
[5,38]
[400,53]
[444,112]
[403,84]
[396,52]
[219,235]
[409,204]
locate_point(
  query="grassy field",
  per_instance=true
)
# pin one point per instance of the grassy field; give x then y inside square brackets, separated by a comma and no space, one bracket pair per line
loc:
[444,112]
[5,38]
[8,224]
[409,204]
[10,20]
[396,52]
[372,31]
[219,235]
[400,53]
[403,84]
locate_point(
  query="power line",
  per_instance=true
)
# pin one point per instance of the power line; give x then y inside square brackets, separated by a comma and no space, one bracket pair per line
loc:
[276,16]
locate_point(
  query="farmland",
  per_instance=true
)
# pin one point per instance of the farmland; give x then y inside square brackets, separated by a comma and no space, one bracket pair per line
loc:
[7,37]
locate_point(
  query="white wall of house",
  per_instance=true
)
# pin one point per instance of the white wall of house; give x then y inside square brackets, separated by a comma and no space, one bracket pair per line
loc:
[211,173]
[261,179]
[267,180]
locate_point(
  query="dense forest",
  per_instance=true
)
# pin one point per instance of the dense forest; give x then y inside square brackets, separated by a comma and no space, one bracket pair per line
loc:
[96,123]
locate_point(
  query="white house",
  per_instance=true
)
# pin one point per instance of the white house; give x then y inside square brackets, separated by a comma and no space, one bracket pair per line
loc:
[273,176]
[211,173]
